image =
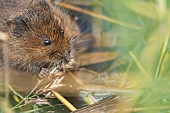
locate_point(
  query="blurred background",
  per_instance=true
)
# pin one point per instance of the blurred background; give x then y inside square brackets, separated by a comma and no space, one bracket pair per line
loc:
[128,61]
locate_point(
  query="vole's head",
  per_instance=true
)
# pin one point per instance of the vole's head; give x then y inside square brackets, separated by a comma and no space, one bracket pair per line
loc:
[41,35]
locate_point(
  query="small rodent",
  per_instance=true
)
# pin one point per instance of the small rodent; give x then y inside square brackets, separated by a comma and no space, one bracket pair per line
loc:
[39,35]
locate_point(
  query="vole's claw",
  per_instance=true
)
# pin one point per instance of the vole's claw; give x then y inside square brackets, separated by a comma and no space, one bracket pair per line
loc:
[43,73]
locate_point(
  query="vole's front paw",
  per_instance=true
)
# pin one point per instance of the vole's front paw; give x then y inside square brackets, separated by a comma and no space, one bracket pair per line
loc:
[43,73]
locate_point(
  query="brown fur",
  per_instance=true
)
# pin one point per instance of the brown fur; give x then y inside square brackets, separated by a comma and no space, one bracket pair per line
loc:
[28,28]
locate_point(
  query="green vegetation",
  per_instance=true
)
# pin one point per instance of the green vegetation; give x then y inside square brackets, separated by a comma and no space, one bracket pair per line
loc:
[137,37]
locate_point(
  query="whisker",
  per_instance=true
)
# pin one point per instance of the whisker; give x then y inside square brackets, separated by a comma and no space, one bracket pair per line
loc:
[72,41]
[85,24]
[78,42]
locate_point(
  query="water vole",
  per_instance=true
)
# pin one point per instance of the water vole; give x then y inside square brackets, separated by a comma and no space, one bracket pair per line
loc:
[39,35]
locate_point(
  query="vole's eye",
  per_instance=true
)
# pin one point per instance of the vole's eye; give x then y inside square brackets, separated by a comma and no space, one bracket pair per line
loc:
[62,32]
[47,42]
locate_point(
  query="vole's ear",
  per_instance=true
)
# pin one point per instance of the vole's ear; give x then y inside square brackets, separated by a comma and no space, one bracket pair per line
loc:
[17,26]
[18,22]
[10,25]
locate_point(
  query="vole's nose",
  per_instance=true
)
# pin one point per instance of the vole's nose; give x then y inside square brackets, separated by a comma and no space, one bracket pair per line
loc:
[66,58]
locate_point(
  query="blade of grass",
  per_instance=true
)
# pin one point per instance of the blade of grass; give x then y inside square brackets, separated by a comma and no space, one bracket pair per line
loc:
[20,96]
[163,54]
[75,78]
[138,64]
[125,76]
[74,8]
[36,109]
[26,97]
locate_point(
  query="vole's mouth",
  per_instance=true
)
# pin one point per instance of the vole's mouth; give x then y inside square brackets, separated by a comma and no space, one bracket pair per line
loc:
[51,64]
[63,64]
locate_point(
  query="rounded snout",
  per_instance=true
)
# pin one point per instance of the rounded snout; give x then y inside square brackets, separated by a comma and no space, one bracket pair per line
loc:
[63,57]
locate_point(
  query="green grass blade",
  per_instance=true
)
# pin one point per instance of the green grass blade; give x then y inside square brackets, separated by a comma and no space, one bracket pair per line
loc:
[162,56]
[138,64]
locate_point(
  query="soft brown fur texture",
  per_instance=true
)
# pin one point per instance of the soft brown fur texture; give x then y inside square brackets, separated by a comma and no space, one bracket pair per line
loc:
[29,28]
